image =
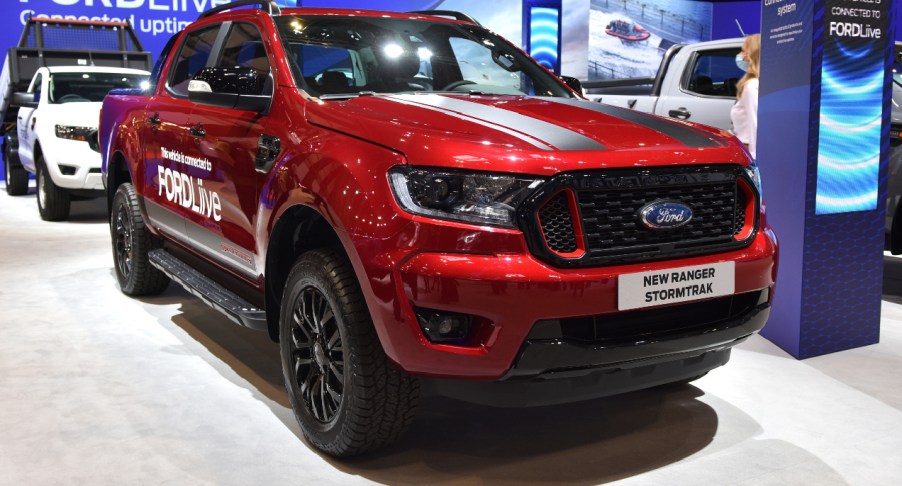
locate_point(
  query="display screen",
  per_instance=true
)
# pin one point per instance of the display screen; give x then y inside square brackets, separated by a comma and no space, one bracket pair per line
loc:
[544,36]
[852,86]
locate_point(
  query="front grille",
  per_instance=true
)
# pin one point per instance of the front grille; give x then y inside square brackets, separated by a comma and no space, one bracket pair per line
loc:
[557,226]
[610,202]
[651,325]
[611,221]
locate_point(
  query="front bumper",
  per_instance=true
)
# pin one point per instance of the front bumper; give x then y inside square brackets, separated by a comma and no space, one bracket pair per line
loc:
[73,165]
[509,293]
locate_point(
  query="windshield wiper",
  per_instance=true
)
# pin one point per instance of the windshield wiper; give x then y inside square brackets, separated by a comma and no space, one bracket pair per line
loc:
[345,96]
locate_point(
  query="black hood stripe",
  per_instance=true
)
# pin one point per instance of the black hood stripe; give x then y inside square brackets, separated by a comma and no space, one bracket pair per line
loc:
[689,136]
[537,132]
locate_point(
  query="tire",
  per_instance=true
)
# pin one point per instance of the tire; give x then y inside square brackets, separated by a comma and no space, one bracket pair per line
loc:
[15,175]
[53,201]
[346,395]
[131,243]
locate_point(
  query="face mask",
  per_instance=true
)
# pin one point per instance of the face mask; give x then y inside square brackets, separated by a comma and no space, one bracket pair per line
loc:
[741,63]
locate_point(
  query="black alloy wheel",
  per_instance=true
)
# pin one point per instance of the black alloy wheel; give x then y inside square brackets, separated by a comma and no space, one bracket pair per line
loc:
[132,241]
[346,395]
[318,355]
[122,241]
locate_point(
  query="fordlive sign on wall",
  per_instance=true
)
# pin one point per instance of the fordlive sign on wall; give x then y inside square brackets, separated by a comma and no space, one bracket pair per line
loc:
[851,105]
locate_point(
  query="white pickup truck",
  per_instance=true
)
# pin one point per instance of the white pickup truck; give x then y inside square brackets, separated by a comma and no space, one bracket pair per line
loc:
[51,88]
[57,131]
[695,82]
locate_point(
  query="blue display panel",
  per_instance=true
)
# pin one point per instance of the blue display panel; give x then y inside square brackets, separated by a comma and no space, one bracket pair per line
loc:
[852,86]
[544,36]
[812,141]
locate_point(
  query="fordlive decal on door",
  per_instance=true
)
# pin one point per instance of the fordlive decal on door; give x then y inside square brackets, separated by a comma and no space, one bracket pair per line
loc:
[188,191]
[395,196]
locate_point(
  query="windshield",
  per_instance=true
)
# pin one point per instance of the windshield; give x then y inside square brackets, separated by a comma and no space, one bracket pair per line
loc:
[338,57]
[88,87]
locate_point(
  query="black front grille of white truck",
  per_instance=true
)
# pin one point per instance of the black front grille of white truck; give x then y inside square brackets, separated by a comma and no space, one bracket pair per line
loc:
[608,228]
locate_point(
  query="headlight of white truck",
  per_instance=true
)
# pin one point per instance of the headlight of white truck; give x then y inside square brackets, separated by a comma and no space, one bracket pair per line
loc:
[74,133]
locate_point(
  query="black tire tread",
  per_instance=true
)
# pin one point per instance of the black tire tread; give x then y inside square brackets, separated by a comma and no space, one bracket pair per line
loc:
[383,401]
[57,203]
[145,279]
[15,175]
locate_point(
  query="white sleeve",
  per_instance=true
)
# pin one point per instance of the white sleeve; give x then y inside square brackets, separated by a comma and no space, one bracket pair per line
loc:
[750,102]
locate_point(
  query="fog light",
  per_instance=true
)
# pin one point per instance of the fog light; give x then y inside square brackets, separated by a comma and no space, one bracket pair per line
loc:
[67,170]
[443,327]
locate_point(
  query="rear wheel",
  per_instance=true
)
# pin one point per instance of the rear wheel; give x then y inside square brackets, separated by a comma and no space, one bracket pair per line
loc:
[15,175]
[131,243]
[347,397]
[53,201]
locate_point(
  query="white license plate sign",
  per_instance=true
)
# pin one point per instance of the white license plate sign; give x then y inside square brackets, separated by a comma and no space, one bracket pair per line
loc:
[673,285]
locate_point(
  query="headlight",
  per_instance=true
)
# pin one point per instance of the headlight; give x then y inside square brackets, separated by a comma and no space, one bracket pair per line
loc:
[74,133]
[471,197]
[755,175]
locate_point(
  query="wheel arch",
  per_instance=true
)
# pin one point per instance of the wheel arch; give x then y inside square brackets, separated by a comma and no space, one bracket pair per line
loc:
[117,174]
[36,153]
[300,228]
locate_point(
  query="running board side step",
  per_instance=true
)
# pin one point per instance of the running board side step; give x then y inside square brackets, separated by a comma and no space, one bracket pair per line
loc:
[213,294]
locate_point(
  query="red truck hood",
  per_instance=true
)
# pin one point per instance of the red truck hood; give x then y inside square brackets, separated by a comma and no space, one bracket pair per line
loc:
[540,136]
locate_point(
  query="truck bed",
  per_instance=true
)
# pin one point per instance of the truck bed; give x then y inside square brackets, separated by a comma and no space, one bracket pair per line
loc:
[54,42]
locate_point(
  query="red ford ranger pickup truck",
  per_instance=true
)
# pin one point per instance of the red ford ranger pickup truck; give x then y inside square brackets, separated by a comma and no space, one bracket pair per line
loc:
[404,199]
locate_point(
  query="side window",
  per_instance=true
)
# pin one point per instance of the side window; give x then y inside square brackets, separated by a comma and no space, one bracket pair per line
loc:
[193,56]
[714,73]
[243,48]
[158,66]
[36,87]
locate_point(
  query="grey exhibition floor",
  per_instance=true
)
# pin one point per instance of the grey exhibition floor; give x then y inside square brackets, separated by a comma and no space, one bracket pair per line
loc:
[97,388]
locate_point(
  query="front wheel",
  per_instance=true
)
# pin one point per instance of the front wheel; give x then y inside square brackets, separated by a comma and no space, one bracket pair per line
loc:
[131,243]
[347,397]
[53,201]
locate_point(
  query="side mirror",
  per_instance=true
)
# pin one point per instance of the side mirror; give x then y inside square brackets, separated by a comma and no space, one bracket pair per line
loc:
[573,84]
[239,88]
[25,100]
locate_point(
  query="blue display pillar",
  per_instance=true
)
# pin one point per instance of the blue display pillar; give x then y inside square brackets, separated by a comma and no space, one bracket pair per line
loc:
[823,145]
[542,32]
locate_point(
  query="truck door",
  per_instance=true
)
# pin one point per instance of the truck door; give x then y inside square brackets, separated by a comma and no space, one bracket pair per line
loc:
[226,140]
[26,121]
[168,149]
[706,89]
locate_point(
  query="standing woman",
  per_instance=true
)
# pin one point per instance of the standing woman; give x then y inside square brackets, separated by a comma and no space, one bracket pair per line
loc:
[744,113]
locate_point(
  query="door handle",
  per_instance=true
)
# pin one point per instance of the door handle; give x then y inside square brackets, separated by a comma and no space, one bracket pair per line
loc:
[681,113]
[198,131]
[155,119]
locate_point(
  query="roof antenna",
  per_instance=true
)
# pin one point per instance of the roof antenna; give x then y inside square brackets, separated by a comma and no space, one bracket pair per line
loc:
[740,27]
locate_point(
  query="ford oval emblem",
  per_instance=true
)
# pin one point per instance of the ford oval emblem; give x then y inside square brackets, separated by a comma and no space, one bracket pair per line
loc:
[665,214]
